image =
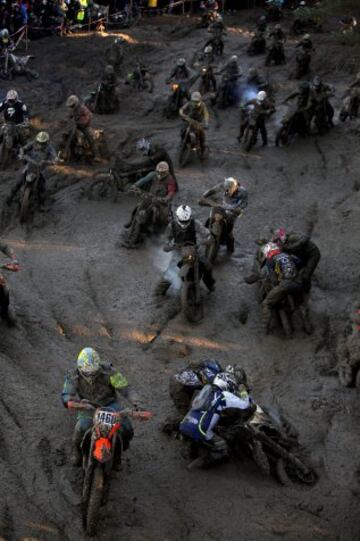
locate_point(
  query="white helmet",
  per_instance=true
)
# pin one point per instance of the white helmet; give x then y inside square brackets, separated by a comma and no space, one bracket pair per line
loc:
[225,381]
[234,58]
[43,137]
[12,95]
[261,96]
[181,62]
[230,184]
[208,49]
[162,169]
[196,96]
[183,216]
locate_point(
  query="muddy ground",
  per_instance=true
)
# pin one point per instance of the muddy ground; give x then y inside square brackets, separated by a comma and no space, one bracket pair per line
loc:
[78,287]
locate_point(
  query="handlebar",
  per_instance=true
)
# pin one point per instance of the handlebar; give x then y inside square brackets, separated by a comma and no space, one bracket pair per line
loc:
[85,405]
[11,266]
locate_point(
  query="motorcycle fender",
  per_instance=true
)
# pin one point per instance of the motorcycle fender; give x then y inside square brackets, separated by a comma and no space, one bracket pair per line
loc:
[102,450]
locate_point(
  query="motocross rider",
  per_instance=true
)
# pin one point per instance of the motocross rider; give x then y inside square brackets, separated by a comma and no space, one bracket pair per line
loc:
[200,422]
[114,53]
[99,384]
[320,94]
[263,108]
[306,43]
[303,105]
[15,113]
[42,152]
[181,72]
[5,313]
[234,200]
[82,117]
[281,274]
[185,383]
[106,99]
[163,188]
[254,80]
[183,229]
[195,113]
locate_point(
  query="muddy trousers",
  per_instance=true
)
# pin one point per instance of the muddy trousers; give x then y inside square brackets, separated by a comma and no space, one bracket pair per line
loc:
[276,296]
[4,302]
[85,421]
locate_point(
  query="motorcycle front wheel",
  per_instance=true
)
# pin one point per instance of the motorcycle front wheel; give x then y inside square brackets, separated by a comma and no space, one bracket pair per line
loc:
[95,499]
[184,153]
[25,204]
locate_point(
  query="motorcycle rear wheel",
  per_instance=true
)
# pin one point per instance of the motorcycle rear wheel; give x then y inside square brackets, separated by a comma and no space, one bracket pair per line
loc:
[95,499]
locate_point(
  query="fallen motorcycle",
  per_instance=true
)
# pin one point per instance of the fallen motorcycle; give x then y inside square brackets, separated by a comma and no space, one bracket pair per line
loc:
[101,447]
[272,444]
[12,65]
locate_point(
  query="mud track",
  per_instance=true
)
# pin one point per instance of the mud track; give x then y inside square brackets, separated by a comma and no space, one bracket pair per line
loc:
[78,288]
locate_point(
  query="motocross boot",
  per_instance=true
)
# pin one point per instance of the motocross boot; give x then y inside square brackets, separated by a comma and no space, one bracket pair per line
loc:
[76,455]
[230,243]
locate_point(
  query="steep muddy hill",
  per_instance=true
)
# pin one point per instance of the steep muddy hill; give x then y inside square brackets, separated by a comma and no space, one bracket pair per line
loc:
[78,287]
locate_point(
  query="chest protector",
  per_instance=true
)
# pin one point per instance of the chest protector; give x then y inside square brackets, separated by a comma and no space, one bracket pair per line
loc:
[184,236]
[97,390]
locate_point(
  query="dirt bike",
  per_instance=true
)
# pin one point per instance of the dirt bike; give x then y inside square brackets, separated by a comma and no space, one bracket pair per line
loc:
[217,225]
[302,25]
[11,65]
[76,147]
[109,184]
[227,93]
[29,192]
[5,314]
[251,131]
[320,115]
[292,123]
[190,293]
[150,206]
[257,45]
[176,98]
[101,447]
[9,142]
[350,106]
[274,12]
[206,80]
[217,44]
[189,144]
[275,54]
[271,442]
[303,59]
[140,79]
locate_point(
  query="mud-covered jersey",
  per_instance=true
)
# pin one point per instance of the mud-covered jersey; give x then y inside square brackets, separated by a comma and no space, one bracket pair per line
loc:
[99,390]
[159,187]
[199,424]
[14,112]
[232,204]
